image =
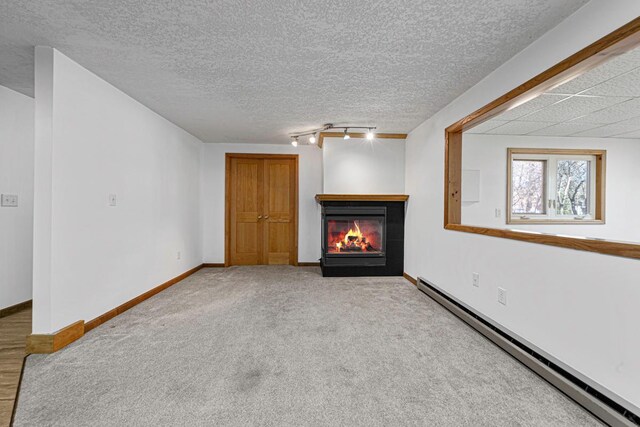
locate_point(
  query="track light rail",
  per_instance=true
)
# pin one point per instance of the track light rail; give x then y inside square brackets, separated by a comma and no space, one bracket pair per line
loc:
[314,133]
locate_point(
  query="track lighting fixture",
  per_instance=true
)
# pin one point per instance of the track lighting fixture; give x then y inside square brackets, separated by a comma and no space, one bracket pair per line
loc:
[314,133]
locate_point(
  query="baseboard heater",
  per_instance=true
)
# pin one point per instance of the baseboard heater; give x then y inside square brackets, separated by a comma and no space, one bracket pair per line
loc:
[598,404]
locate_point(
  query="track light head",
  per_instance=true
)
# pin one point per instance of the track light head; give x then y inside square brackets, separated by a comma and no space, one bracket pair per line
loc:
[346,133]
[370,135]
[294,141]
[312,139]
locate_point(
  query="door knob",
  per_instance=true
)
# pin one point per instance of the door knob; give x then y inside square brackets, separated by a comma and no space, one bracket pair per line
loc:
[259,216]
[266,216]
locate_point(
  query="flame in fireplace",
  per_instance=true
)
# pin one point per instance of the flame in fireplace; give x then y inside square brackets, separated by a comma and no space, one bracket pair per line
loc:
[354,240]
[353,235]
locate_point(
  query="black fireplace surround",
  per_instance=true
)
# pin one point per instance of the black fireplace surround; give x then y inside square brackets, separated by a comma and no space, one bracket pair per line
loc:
[374,244]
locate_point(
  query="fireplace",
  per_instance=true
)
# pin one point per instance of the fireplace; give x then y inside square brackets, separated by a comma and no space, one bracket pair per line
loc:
[354,235]
[362,235]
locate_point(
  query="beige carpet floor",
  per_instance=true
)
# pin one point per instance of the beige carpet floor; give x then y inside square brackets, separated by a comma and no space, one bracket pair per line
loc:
[283,346]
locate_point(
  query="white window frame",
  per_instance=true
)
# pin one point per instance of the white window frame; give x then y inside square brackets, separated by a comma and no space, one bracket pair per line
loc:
[551,157]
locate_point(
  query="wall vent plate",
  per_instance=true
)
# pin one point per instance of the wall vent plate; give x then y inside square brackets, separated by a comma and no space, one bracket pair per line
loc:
[9,200]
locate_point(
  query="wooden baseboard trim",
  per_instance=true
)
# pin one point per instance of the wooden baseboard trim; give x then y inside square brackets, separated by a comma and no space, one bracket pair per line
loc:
[50,343]
[137,300]
[7,311]
[411,279]
[213,265]
[308,264]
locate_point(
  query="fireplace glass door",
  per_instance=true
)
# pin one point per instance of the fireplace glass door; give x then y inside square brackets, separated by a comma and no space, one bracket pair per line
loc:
[354,235]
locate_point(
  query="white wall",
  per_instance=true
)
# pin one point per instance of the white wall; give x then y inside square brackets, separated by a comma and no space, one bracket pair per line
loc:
[359,166]
[16,177]
[579,307]
[213,190]
[327,170]
[92,140]
[488,154]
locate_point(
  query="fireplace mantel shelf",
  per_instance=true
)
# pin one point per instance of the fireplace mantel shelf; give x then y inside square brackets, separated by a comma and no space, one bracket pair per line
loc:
[362,197]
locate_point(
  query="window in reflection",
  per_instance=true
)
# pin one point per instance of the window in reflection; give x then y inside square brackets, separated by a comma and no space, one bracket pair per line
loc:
[551,187]
[528,183]
[572,187]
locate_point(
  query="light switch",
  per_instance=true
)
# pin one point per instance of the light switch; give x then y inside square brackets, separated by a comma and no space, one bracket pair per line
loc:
[9,200]
[502,296]
[112,200]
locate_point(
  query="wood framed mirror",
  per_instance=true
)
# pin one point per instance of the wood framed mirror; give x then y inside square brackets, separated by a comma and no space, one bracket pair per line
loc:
[540,92]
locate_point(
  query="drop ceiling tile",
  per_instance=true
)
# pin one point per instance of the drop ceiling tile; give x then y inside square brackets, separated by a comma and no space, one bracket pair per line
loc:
[634,121]
[564,129]
[608,130]
[624,85]
[632,135]
[518,128]
[614,113]
[531,106]
[610,69]
[571,108]
[486,126]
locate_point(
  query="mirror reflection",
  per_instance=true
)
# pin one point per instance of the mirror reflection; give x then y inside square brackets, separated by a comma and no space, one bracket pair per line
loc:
[566,162]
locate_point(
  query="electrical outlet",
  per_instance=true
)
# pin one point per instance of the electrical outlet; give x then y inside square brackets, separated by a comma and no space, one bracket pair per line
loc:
[498,212]
[476,280]
[112,200]
[502,296]
[178,255]
[9,200]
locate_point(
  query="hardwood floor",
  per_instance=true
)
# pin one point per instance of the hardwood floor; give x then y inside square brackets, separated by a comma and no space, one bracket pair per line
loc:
[13,336]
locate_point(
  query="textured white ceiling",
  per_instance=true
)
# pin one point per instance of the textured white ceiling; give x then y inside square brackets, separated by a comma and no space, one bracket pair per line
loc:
[601,103]
[253,71]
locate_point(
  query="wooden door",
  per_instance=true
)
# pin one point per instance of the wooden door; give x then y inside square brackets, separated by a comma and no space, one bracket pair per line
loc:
[261,209]
[280,240]
[246,234]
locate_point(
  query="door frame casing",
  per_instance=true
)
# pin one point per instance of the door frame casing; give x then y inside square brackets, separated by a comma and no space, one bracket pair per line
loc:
[227,198]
